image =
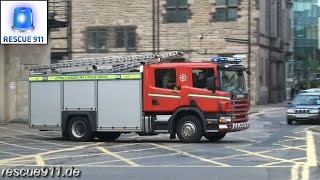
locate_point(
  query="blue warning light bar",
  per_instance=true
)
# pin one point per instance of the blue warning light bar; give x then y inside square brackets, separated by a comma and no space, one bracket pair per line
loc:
[230,60]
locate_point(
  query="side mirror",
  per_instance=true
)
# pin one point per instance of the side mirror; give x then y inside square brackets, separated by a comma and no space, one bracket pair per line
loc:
[211,84]
[248,72]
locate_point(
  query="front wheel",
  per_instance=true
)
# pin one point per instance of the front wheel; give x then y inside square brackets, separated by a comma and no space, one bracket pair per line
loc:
[214,137]
[289,121]
[79,129]
[189,129]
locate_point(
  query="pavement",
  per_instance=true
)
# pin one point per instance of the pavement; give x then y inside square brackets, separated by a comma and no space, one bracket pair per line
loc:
[269,149]
[259,108]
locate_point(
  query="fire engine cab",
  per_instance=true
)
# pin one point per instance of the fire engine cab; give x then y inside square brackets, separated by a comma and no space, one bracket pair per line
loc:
[188,99]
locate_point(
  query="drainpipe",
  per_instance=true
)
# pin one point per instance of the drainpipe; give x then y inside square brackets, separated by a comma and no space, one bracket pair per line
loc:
[269,63]
[249,45]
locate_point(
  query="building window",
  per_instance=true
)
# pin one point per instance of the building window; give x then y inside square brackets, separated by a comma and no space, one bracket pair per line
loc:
[96,39]
[200,76]
[165,78]
[126,38]
[226,10]
[177,11]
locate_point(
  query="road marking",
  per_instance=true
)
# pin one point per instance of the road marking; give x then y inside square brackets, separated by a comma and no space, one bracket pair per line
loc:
[246,154]
[293,137]
[25,132]
[39,160]
[49,152]
[295,172]
[265,156]
[291,147]
[251,140]
[297,139]
[311,155]
[155,166]
[44,142]
[305,172]
[279,162]
[15,154]
[191,155]
[118,156]
[311,150]
[25,147]
[137,158]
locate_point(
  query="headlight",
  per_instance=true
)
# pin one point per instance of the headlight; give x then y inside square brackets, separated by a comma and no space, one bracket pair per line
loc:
[290,111]
[314,111]
[225,119]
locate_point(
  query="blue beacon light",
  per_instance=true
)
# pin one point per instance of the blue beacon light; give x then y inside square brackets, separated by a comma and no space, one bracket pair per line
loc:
[231,60]
[22,19]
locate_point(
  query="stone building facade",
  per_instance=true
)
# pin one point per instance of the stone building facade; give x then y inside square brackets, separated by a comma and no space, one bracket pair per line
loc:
[202,28]
[13,78]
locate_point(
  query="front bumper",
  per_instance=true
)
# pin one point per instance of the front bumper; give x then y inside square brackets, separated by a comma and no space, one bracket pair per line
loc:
[303,117]
[233,127]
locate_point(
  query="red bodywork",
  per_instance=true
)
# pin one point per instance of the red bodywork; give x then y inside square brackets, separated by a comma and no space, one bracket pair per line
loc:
[169,100]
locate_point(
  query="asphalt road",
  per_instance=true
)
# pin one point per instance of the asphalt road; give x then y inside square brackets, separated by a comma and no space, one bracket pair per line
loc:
[269,149]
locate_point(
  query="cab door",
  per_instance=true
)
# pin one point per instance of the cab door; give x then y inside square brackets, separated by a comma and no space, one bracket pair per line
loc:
[198,94]
[162,93]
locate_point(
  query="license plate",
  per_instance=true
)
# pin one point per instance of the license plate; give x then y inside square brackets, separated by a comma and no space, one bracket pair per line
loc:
[302,115]
[242,125]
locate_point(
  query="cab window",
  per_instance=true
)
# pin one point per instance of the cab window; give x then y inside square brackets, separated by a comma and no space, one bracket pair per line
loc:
[199,77]
[165,78]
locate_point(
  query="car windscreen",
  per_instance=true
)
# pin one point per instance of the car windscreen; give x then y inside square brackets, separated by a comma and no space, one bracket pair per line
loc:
[306,100]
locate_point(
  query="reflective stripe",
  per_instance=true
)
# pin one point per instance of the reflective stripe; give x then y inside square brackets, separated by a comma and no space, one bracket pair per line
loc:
[36,78]
[85,77]
[81,77]
[165,95]
[130,76]
[208,96]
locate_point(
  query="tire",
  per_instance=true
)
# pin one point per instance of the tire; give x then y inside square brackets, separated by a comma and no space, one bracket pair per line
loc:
[189,129]
[215,137]
[79,129]
[108,136]
[289,121]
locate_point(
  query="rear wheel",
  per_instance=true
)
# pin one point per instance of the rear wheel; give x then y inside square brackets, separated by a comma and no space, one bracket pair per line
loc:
[108,136]
[214,137]
[189,129]
[79,129]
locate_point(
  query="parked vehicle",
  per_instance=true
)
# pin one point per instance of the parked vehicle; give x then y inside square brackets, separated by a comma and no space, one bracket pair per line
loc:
[311,90]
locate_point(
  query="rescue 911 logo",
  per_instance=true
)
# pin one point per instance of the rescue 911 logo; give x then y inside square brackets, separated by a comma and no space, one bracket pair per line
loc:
[24,22]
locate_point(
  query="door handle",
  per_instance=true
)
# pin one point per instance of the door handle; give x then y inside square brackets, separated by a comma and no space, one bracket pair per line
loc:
[174,92]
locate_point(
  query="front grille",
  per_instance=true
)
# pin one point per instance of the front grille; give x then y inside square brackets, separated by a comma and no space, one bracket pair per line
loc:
[239,108]
[302,111]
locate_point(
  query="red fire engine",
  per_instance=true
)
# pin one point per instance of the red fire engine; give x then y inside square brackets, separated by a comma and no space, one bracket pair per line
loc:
[187,99]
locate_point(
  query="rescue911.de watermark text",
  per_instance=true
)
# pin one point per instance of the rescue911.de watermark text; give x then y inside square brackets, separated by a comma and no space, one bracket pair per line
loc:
[41,172]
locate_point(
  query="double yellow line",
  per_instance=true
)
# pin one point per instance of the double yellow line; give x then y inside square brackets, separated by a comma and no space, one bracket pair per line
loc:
[311,159]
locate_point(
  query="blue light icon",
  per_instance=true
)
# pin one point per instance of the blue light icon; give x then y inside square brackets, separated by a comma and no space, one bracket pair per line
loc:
[22,19]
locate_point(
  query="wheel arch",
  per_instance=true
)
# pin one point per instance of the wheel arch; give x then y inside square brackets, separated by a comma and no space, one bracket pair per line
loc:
[184,111]
[90,115]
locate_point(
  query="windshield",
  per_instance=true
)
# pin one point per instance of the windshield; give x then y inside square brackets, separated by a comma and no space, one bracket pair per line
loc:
[232,80]
[306,100]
